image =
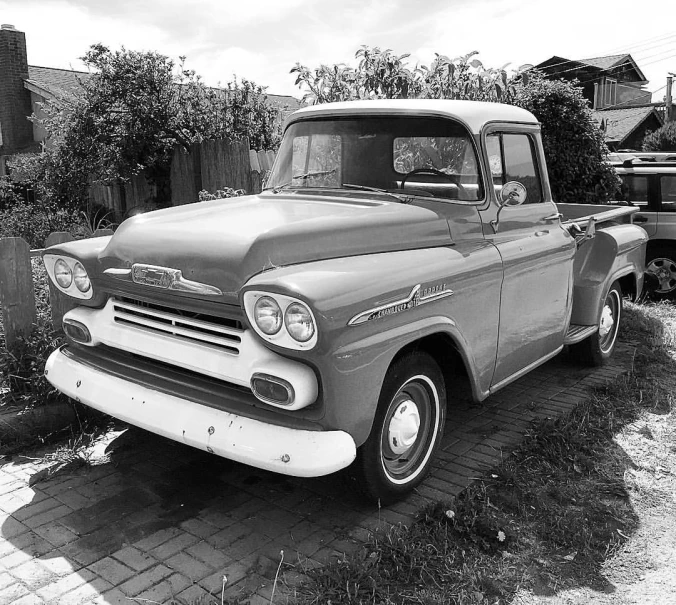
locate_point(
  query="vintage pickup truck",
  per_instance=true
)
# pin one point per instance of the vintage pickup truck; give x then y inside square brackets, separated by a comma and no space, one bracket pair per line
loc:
[402,252]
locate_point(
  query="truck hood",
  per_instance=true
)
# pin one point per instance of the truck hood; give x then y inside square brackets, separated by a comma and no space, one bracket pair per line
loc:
[225,242]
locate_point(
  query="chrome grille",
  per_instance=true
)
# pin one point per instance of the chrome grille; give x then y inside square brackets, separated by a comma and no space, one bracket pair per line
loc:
[226,334]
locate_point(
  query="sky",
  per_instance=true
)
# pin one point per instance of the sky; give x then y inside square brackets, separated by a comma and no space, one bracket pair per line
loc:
[261,40]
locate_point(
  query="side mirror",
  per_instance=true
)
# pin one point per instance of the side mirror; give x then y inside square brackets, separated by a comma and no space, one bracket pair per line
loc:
[512,193]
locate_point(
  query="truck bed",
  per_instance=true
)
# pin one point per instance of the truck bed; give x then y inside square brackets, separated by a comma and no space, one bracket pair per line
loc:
[599,213]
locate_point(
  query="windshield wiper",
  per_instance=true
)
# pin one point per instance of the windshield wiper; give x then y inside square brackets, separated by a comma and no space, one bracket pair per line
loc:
[403,200]
[301,177]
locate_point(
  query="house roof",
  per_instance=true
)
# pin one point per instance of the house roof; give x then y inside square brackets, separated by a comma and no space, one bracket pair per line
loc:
[596,63]
[605,62]
[53,83]
[620,123]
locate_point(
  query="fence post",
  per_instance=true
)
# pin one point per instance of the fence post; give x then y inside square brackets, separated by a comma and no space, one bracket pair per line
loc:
[255,185]
[59,302]
[17,297]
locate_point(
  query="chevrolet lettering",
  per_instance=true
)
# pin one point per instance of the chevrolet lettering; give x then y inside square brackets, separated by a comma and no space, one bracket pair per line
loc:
[401,251]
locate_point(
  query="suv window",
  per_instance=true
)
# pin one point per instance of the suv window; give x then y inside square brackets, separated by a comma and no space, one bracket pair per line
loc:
[511,157]
[668,192]
[634,189]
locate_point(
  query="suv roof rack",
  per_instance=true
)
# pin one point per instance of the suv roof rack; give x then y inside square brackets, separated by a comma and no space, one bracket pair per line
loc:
[628,160]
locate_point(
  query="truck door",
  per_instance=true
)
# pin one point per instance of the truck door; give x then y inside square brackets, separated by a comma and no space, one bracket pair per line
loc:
[537,254]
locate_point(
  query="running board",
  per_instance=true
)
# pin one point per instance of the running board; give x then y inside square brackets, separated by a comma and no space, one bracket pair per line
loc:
[576,333]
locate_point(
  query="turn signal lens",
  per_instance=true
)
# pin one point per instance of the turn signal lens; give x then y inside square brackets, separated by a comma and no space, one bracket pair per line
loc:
[81,278]
[62,274]
[298,322]
[268,315]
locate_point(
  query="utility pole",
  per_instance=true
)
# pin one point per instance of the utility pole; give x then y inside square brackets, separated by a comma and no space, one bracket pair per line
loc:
[669,108]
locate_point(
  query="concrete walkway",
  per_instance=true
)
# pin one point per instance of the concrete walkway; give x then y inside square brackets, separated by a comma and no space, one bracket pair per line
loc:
[153,519]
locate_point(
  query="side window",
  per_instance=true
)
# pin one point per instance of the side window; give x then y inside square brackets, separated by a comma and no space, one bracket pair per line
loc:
[520,165]
[668,192]
[511,157]
[634,189]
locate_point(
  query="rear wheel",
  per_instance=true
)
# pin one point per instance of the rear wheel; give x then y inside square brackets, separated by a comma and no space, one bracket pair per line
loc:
[661,264]
[406,431]
[599,347]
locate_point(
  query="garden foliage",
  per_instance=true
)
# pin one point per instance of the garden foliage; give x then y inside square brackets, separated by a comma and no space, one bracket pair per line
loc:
[574,146]
[129,114]
[662,139]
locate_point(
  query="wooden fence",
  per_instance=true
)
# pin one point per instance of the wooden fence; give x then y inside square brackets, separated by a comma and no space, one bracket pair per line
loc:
[17,293]
[209,166]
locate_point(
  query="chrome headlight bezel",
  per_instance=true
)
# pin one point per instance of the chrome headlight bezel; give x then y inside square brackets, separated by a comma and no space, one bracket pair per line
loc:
[72,290]
[282,337]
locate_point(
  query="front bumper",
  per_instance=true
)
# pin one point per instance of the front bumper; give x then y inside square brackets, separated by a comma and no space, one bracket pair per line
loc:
[290,451]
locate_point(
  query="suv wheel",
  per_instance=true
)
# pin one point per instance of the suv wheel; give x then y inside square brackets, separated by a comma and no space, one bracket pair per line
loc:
[661,264]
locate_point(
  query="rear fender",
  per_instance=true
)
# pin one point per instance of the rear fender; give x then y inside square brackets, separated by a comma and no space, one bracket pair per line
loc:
[613,253]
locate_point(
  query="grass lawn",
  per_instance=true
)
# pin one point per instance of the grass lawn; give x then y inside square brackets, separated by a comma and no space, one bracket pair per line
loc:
[584,511]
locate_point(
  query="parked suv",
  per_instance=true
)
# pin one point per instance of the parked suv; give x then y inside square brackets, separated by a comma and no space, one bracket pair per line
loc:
[649,182]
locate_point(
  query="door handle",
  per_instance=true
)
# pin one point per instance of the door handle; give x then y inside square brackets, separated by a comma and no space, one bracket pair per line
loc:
[553,217]
[640,219]
[541,233]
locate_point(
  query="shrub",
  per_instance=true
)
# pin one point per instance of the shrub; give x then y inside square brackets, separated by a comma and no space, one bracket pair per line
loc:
[219,194]
[34,222]
[21,379]
[574,146]
[662,139]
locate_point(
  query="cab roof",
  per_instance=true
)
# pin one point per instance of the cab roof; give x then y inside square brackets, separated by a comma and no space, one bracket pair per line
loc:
[474,114]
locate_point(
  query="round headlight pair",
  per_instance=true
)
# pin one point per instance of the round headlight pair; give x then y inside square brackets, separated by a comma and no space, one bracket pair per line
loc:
[297,319]
[65,276]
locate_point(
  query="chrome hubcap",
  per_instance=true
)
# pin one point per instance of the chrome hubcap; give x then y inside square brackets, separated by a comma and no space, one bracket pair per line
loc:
[607,321]
[664,269]
[404,426]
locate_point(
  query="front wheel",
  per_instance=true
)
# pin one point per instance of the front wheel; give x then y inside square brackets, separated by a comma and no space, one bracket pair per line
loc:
[407,429]
[599,347]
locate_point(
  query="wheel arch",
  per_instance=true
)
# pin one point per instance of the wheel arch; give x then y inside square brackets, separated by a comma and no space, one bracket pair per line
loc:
[451,358]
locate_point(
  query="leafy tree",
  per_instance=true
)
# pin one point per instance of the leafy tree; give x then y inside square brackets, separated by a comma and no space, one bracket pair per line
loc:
[130,113]
[662,139]
[574,145]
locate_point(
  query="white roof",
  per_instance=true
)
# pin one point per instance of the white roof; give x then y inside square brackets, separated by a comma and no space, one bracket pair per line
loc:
[475,114]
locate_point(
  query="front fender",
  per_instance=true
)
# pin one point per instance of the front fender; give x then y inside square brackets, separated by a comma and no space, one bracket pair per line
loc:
[351,359]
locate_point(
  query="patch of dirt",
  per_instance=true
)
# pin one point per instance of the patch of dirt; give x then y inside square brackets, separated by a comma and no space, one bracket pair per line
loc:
[642,570]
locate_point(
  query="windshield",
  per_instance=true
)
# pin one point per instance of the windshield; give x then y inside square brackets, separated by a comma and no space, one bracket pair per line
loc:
[431,157]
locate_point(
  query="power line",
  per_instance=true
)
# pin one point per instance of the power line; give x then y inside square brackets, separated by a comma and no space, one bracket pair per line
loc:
[617,50]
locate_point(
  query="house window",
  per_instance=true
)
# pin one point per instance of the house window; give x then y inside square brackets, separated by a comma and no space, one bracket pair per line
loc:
[609,96]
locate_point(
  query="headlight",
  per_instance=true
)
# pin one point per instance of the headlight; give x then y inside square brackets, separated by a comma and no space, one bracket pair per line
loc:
[68,275]
[299,323]
[268,315]
[62,274]
[81,278]
[281,320]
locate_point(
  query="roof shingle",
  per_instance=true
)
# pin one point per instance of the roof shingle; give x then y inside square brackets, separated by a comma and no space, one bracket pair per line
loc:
[620,123]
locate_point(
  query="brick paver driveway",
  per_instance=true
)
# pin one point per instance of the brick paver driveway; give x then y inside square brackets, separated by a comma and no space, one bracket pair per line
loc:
[154,519]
